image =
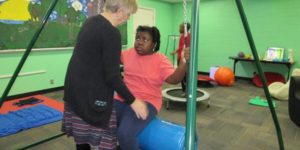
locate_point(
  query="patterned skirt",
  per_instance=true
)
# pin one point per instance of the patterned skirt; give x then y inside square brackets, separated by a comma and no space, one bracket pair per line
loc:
[84,133]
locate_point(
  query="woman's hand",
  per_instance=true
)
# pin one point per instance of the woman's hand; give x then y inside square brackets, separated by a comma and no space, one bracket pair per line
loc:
[140,109]
[173,53]
[180,71]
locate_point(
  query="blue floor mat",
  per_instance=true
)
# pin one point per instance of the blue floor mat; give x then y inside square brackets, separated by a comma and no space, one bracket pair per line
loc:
[26,118]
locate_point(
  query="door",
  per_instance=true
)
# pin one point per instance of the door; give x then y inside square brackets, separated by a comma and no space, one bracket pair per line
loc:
[143,16]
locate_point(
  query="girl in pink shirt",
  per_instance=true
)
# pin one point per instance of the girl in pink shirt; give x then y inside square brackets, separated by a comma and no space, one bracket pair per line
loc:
[145,71]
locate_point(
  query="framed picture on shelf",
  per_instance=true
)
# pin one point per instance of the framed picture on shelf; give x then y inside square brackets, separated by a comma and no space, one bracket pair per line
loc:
[274,54]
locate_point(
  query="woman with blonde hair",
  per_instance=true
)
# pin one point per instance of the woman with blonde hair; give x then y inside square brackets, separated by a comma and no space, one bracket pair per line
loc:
[92,77]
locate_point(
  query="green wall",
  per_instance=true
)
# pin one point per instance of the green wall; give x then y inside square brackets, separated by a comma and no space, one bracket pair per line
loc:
[272,22]
[54,63]
[51,65]
[164,21]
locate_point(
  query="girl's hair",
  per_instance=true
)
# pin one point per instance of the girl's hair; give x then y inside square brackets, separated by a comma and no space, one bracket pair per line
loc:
[154,32]
[188,25]
[129,6]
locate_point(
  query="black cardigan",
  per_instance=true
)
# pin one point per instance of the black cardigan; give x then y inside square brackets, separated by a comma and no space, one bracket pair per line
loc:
[94,71]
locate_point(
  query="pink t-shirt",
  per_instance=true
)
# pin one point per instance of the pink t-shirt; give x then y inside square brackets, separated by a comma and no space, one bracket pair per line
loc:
[145,75]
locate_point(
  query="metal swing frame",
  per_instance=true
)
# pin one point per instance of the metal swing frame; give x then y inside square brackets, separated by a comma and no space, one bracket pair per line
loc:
[192,74]
[191,97]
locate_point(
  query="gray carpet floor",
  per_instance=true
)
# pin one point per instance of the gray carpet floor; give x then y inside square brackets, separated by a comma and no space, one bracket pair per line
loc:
[230,123]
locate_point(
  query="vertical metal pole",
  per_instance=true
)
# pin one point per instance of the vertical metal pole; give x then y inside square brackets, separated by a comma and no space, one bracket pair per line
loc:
[190,143]
[26,53]
[260,71]
[173,58]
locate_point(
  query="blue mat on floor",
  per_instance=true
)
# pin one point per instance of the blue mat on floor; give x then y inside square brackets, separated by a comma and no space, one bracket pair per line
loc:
[26,118]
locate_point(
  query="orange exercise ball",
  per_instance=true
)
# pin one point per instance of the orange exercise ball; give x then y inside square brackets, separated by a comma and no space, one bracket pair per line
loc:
[224,76]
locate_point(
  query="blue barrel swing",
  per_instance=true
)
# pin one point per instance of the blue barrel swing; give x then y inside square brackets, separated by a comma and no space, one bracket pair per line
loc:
[163,135]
